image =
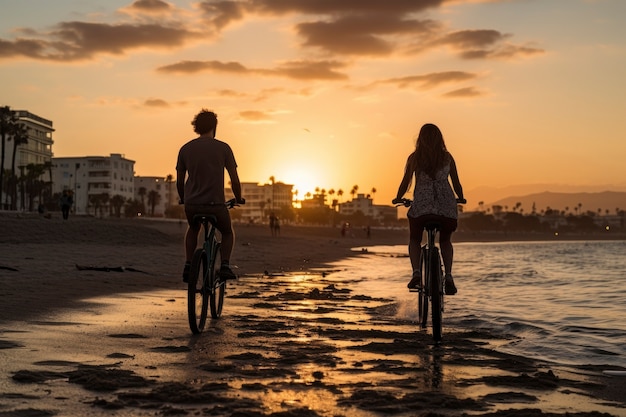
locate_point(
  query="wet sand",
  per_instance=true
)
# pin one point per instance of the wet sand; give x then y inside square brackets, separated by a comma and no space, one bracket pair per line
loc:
[112,338]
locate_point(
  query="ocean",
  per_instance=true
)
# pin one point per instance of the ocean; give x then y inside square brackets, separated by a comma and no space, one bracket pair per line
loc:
[563,302]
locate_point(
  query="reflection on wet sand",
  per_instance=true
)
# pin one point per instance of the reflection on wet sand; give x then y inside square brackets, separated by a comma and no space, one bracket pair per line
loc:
[288,345]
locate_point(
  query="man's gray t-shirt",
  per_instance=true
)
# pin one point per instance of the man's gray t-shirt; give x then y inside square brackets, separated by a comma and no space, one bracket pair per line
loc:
[205,159]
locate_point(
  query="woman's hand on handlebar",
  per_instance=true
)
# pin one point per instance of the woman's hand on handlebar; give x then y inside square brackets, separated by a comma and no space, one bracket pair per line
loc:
[401,202]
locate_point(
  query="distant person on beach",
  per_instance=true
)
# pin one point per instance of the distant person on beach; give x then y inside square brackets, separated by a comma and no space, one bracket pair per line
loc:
[200,185]
[433,199]
[66,202]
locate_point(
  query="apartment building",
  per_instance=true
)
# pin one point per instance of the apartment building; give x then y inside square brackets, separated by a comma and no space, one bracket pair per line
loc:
[36,150]
[365,204]
[94,180]
[263,199]
[158,193]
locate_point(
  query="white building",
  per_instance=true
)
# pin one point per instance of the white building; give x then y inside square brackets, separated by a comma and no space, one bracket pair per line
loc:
[37,150]
[158,190]
[94,180]
[263,199]
[365,204]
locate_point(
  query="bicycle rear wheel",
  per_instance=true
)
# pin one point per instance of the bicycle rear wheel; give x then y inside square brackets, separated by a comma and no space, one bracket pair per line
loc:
[197,292]
[422,296]
[436,294]
[218,286]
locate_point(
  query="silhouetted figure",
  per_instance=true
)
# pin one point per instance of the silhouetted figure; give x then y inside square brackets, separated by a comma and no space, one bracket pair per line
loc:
[433,199]
[66,203]
[203,161]
[273,220]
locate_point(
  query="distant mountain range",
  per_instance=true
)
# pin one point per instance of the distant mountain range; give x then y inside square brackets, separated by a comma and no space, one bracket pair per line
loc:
[570,202]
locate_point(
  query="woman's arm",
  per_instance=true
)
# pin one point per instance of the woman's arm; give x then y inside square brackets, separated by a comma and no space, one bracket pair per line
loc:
[454,176]
[406,179]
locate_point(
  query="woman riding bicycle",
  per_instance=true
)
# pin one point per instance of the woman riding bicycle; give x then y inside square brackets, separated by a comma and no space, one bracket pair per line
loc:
[433,199]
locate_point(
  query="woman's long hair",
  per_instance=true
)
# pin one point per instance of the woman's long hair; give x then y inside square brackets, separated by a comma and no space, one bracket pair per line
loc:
[430,151]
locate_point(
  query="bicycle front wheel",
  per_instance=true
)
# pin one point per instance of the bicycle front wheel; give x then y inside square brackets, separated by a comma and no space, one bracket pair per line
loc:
[436,294]
[197,292]
[422,296]
[218,286]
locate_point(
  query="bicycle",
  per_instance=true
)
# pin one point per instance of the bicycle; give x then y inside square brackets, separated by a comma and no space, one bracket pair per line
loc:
[204,286]
[431,288]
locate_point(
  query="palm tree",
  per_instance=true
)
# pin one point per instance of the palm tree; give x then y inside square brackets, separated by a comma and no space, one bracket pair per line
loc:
[340,193]
[117,201]
[7,120]
[154,198]
[34,185]
[354,190]
[374,192]
[20,137]
[142,193]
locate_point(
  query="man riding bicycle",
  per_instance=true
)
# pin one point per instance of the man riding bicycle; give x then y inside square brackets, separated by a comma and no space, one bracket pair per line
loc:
[200,185]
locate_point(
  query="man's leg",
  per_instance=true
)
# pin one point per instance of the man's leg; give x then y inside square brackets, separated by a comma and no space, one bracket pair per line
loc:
[191,241]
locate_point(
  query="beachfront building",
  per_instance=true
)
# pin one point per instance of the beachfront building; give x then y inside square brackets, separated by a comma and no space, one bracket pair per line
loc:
[364,204]
[96,182]
[29,158]
[157,194]
[264,199]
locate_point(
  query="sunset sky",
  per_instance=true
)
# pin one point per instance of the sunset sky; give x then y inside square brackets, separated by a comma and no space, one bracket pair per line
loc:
[332,93]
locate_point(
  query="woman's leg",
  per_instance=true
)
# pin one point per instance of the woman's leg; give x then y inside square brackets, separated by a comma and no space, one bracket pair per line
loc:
[416,228]
[447,251]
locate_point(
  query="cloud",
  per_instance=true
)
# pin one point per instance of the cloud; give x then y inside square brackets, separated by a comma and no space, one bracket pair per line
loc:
[300,70]
[75,41]
[485,44]
[156,102]
[255,116]
[464,92]
[157,7]
[191,67]
[362,35]
[429,80]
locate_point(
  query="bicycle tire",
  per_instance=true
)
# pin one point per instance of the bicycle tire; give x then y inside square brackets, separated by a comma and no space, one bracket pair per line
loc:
[197,292]
[422,295]
[436,294]
[218,286]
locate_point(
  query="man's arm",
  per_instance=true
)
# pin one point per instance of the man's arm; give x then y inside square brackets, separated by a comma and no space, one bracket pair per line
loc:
[235,184]
[180,184]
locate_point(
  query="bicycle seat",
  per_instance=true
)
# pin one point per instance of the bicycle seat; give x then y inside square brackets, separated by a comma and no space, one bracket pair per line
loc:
[431,225]
[204,218]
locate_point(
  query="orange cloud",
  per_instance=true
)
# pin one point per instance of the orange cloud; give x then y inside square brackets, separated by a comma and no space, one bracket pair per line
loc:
[149,7]
[429,80]
[302,70]
[464,92]
[74,41]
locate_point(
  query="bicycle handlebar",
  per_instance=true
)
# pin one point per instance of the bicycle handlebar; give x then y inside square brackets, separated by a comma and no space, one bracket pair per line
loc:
[406,202]
[233,202]
[229,204]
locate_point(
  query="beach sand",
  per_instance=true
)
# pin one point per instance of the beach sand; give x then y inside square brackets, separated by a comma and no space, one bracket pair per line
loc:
[94,322]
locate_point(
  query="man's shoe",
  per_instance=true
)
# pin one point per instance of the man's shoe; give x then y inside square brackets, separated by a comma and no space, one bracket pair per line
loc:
[450,288]
[226,273]
[186,271]
[415,282]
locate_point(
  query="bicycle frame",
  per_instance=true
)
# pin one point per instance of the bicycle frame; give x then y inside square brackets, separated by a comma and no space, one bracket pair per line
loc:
[210,246]
[205,286]
[431,289]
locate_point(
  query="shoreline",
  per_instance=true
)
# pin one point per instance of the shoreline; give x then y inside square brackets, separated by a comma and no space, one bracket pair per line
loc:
[294,338]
